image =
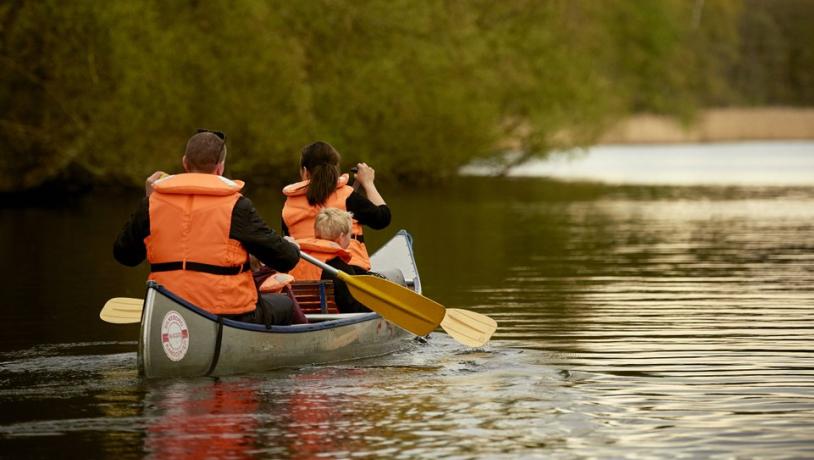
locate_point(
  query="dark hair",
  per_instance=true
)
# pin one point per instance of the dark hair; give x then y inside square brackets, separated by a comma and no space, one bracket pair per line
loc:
[205,150]
[321,161]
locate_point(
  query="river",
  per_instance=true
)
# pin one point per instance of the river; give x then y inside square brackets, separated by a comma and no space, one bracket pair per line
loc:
[638,319]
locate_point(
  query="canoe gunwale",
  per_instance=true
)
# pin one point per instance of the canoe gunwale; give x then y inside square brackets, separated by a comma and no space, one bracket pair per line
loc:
[292,329]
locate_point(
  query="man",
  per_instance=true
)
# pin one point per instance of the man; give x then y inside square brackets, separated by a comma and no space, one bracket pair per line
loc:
[196,230]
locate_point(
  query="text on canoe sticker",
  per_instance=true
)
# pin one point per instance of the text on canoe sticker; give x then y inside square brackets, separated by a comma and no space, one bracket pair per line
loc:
[174,335]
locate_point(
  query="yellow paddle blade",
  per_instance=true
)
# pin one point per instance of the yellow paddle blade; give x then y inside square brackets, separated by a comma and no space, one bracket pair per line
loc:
[397,304]
[467,327]
[122,310]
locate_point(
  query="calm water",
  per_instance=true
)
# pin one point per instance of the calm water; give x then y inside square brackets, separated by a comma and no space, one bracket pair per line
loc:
[635,322]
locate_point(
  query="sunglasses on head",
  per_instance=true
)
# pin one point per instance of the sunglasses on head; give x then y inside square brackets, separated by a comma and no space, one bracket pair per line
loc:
[221,136]
[217,133]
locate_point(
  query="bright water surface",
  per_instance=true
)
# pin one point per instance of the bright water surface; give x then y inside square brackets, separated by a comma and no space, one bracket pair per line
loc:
[635,322]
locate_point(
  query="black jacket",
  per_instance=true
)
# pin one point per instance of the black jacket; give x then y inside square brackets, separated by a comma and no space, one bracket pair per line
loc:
[345,302]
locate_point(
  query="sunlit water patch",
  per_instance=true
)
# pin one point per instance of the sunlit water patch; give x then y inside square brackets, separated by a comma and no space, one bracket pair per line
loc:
[693,319]
[746,163]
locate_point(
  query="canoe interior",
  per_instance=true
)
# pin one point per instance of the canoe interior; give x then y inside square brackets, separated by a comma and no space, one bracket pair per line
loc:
[315,296]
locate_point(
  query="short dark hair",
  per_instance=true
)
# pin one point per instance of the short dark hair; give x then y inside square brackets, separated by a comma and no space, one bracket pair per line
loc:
[204,151]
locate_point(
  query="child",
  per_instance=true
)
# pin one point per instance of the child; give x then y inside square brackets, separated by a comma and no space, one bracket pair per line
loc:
[332,228]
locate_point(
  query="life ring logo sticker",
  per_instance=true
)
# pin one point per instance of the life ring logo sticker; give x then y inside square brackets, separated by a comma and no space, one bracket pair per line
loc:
[174,336]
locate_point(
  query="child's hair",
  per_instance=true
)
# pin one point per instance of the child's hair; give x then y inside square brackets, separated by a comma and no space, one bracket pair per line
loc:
[332,222]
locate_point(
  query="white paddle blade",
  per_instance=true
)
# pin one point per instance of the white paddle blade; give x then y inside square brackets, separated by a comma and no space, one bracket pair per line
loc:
[467,327]
[122,310]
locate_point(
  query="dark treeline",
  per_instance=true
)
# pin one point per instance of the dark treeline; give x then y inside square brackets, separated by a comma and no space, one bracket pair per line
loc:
[107,92]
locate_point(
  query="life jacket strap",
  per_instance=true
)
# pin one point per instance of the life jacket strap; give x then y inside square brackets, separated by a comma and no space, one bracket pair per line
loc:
[199,267]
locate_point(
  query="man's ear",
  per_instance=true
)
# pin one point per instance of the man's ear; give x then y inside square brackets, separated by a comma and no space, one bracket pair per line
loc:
[220,168]
[184,162]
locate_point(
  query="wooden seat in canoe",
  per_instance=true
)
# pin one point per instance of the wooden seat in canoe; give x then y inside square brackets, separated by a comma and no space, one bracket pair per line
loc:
[315,296]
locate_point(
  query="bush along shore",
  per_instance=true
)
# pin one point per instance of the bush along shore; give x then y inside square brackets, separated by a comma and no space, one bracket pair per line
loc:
[107,92]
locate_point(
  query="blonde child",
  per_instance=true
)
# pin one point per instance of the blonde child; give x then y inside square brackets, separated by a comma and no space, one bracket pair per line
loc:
[332,230]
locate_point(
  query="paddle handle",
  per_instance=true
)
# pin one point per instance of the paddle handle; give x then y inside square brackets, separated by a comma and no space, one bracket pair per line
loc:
[320,264]
[356,184]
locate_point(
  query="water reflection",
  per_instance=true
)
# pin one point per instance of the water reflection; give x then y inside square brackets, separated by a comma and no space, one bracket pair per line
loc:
[314,419]
[200,419]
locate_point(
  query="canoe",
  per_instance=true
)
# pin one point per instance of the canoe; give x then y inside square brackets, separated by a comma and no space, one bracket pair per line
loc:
[178,339]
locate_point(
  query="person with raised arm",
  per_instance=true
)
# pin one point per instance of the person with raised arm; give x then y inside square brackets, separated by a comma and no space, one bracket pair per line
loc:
[322,185]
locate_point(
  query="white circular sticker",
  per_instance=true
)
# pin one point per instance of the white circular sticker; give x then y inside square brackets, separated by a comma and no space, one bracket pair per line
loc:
[174,335]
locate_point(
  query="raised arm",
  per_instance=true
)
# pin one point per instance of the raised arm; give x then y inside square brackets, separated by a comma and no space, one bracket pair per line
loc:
[366,177]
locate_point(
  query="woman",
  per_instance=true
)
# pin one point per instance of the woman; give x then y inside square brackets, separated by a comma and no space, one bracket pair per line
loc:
[322,186]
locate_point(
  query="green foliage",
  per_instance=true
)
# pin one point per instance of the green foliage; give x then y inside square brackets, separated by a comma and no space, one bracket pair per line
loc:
[775,63]
[415,88]
[46,72]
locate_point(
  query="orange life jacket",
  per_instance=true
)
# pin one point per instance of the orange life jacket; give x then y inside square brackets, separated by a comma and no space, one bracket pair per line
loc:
[322,250]
[276,282]
[189,248]
[299,217]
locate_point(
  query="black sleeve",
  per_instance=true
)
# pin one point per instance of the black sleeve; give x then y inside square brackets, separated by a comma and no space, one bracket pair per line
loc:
[259,240]
[344,301]
[367,213]
[129,249]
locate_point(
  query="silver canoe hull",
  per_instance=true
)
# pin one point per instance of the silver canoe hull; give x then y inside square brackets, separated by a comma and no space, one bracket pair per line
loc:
[178,339]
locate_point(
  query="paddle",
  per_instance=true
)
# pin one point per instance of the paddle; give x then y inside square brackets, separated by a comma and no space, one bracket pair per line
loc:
[467,327]
[122,310]
[395,303]
[412,311]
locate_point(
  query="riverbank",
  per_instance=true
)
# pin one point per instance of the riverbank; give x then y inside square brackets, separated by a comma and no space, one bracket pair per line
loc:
[716,125]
